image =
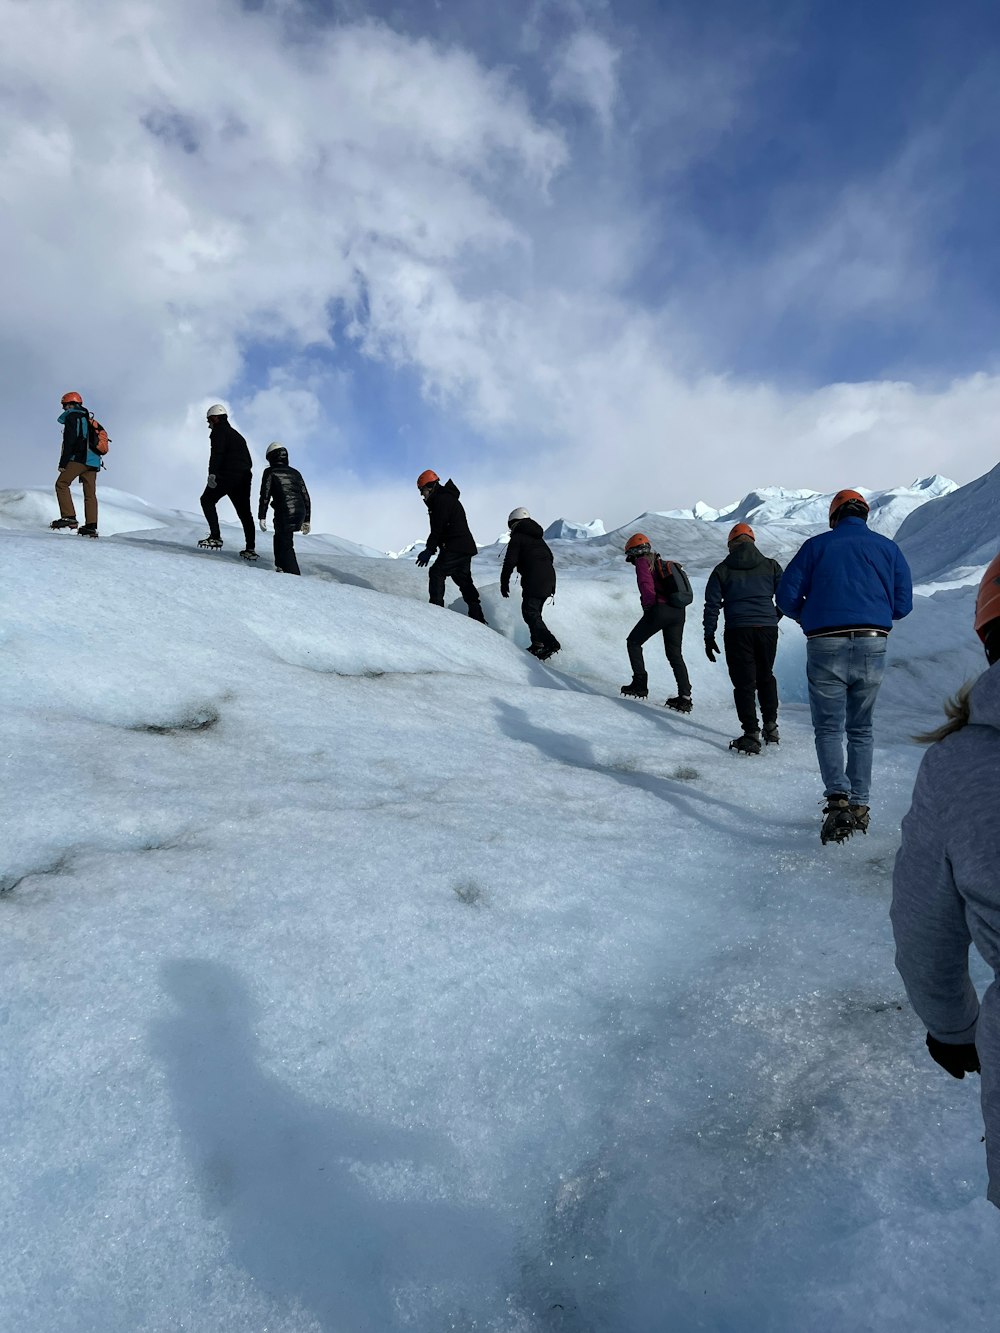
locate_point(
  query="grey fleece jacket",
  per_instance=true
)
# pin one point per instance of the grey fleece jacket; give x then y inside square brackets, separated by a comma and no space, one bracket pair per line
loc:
[946,895]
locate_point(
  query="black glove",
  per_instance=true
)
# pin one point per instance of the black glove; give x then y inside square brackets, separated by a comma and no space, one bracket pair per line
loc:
[504,592]
[424,558]
[958,1060]
[712,649]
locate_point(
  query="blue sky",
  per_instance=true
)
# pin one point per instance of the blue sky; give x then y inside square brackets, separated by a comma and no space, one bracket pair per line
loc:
[592,257]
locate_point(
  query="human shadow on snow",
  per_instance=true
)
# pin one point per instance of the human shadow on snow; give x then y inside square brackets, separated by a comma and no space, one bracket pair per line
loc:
[579,753]
[278,1172]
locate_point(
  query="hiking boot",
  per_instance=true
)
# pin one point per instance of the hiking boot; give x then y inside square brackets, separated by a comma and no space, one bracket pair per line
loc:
[861,814]
[62,523]
[545,653]
[680,703]
[536,649]
[88,530]
[748,743]
[249,554]
[211,543]
[637,688]
[839,822]
[771,736]
[477,613]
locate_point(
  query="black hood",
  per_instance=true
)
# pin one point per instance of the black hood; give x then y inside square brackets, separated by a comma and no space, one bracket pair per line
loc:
[527,527]
[744,555]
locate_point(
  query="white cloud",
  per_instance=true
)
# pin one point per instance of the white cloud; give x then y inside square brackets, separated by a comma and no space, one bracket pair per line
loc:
[585,71]
[191,197]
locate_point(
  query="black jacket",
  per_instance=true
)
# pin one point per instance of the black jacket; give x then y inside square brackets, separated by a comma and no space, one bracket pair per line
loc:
[76,434]
[449,526]
[745,585]
[282,487]
[528,553]
[230,454]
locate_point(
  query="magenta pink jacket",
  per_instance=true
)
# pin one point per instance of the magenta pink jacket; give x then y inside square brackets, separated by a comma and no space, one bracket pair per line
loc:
[649,594]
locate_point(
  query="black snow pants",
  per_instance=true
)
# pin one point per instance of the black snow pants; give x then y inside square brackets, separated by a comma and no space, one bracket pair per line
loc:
[284,551]
[668,620]
[459,568]
[531,610]
[750,652]
[237,487]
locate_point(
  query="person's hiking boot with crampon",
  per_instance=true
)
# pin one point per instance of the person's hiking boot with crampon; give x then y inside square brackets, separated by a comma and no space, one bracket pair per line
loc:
[748,743]
[637,688]
[680,703]
[838,824]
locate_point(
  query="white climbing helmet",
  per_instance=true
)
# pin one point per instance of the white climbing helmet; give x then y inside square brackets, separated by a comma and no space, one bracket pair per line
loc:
[516,515]
[273,448]
[217,410]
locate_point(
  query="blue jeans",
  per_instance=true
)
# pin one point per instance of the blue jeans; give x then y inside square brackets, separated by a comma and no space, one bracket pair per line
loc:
[844,676]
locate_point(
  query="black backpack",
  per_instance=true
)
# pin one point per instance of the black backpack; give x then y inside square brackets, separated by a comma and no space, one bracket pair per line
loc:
[674,583]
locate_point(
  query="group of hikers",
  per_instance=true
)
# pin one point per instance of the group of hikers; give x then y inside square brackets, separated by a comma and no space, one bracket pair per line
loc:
[845,587]
[230,473]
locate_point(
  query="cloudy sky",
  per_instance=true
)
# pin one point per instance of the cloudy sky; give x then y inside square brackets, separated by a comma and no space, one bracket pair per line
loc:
[589,256]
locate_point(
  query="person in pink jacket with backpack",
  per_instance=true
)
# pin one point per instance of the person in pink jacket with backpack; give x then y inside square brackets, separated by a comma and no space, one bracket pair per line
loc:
[664,591]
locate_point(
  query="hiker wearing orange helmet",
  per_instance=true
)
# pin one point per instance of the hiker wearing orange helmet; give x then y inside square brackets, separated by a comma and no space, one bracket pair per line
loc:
[946,881]
[78,461]
[846,587]
[452,541]
[744,585]
[664,592]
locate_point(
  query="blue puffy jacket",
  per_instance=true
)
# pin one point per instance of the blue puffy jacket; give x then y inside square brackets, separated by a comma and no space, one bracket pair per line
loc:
[847,578]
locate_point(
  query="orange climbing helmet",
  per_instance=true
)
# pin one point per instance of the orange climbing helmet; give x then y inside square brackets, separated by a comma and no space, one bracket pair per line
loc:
[741,530]
[988,598]
[426,478]
[71,397]
[638,544]
[847,498]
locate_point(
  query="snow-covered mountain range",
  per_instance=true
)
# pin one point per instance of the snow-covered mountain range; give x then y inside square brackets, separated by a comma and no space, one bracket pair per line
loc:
[774,504]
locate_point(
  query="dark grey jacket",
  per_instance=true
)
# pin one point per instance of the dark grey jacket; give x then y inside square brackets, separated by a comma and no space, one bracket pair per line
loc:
[745,585]
[946,895]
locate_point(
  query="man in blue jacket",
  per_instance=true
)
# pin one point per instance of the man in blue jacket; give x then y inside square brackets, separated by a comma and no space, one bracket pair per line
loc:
[845,587]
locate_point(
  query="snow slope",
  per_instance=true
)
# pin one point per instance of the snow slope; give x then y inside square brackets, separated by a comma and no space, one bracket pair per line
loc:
[950,538]
[361,973]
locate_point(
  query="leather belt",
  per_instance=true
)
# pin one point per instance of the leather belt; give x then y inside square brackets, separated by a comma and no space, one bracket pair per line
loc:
[851,634]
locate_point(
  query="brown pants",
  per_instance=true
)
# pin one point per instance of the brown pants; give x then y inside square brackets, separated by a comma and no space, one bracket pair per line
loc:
[88,480]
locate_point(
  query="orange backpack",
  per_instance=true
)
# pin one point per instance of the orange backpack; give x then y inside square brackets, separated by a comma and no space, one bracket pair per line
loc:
[99,440]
